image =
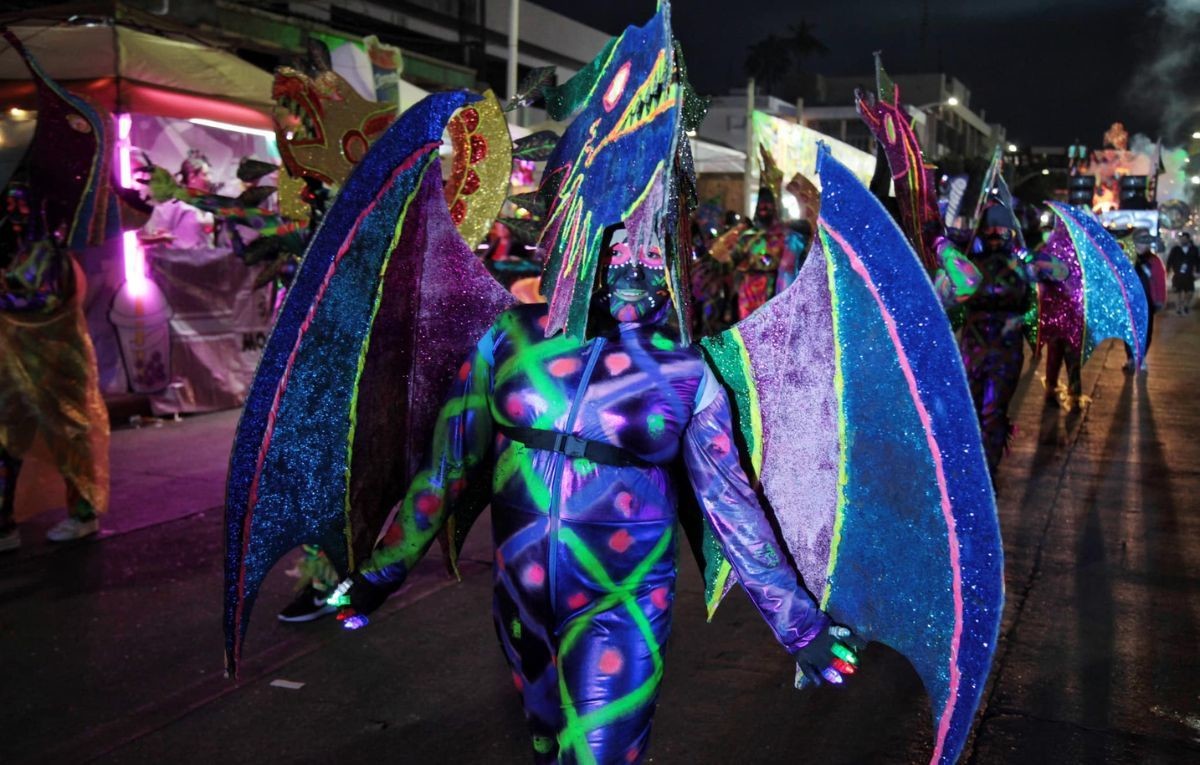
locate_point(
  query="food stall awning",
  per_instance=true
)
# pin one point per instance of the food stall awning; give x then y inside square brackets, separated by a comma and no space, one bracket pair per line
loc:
[126,70]
[710,157]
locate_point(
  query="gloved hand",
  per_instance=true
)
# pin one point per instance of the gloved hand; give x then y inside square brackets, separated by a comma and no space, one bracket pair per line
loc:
[356,597]
[831,656]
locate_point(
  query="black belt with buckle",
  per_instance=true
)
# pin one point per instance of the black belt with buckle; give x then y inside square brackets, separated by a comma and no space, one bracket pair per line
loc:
[574,446]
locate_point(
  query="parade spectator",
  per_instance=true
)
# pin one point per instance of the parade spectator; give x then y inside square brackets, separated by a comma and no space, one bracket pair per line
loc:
[1182,264]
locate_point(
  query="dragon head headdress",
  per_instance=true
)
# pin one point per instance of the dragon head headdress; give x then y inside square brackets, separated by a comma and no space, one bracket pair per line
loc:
[624,157]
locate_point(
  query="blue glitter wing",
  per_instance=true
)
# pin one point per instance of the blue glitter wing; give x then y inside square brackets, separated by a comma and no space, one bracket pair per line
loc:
[853,402]
[916,560]
[1114,304]
[350,380]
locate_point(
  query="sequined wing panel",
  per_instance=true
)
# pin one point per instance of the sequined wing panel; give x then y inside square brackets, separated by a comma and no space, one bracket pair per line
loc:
[1114,304]
[852,397]
[482,165]
[356,367]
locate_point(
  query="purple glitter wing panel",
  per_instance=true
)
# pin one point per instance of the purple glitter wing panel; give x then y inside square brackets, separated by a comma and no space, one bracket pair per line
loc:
[288,468]
[789,343]
[1060,304]
[1114,304]
[70,158]
[437,299]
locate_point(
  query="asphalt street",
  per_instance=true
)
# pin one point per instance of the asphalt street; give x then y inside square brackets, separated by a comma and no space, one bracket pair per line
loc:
[112,647]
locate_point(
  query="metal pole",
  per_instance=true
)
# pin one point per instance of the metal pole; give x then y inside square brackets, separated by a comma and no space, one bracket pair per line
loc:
[514,35]
[748,173]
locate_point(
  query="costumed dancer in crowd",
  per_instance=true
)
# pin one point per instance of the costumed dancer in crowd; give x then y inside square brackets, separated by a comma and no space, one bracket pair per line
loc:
[766,254]
[49,388]
[569,419]
[1182,263]
[50,403]
[992,340]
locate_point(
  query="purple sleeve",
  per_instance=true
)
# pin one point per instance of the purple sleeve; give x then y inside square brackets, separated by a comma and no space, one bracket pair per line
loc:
[732,508]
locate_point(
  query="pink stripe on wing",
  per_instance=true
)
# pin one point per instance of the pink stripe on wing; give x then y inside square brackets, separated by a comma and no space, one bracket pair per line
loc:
[947,512]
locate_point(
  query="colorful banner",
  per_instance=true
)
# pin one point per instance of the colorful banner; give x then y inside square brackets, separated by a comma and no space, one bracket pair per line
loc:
[794,148]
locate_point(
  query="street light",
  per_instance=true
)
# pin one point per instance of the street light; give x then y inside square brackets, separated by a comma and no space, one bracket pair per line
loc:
[951,101]
[1045,171]
[1012,148]
[1196,135]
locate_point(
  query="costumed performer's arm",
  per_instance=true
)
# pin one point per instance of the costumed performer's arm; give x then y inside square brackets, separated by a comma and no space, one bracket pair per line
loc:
[458,458]
[957,279]
[731,506]
[1044,267]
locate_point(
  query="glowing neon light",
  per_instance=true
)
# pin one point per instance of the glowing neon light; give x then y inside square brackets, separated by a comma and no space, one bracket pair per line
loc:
[135,265]
[124,150]
[267,134]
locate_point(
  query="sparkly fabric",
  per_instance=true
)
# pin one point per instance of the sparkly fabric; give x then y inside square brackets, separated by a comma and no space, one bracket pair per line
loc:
[1114,305]
[915,193]
[49,386]
[615,162]
[585,553]
[870,453]
[482,164]
[331,126]
[353,318]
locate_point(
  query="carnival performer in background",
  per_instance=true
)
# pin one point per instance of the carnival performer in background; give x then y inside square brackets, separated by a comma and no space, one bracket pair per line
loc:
[49,390]
[766,253]
[50,404]
[992,340]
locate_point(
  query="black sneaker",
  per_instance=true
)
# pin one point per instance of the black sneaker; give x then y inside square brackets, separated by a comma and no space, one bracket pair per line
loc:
[309,605]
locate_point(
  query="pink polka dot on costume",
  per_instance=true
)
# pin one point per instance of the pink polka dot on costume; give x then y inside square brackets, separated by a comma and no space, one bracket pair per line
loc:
[633,754]
[533,575]
[428,504]
[464,371]
[620,541]
[660,597]
[611,661]
[625,503]
[517,681]
[616,363]
[577,600]
[564,367]
[720,443]
[543,322]
[514,407]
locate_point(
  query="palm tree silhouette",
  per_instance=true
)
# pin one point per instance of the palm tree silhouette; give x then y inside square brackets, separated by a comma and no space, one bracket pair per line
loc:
[769,60]
[772,58]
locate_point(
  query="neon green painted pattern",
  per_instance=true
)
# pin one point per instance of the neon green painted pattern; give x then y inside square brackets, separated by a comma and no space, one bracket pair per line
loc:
[573,737]
[362,359]
[839,384]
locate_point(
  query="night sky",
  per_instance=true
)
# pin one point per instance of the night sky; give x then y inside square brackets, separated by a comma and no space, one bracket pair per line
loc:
[1051,71]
